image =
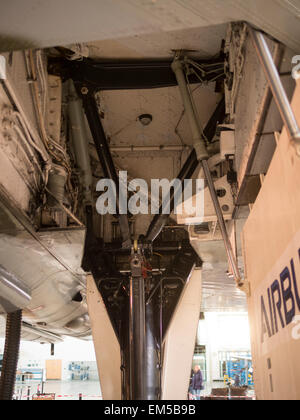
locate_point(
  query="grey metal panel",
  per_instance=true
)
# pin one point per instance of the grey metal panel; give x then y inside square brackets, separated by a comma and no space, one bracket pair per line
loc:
[14,294]
[219,293]
[255,123]
[264,154]
[53,281]
[42,23]
[29,333]
[252,92]
[68,244]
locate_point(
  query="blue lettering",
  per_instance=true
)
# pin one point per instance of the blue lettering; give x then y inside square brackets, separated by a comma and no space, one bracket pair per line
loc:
[276,288]
[295,281]
[287,295]
[271,312]
[265,325]
[283,302]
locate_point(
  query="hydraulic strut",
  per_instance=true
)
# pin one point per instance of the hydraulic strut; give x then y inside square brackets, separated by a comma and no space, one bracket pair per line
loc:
[202,156]
[137,327]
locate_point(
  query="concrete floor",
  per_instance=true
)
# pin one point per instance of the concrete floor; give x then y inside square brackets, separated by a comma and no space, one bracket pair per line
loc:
[90,390]
[68,390]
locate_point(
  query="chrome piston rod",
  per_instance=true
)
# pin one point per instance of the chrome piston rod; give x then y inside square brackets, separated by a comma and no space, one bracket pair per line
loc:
[137,330]
[276,86]
[231,257]
[202,155]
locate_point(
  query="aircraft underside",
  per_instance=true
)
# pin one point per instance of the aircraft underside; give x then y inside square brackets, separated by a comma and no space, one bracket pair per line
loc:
[81,122]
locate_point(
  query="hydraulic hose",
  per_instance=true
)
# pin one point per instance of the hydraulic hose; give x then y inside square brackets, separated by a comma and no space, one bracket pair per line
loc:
[11,355]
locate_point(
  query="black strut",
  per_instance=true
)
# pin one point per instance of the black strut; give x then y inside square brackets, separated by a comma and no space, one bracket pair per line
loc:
[103,151]
[129,74]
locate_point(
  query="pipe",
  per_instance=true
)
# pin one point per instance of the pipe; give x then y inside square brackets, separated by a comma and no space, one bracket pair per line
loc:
[24,120]
[166,247]
[231,258]
[152,373]
[276,86]
[80,142]
[56,186]
[11,355]
[161,148]
[202,156]
[198,138]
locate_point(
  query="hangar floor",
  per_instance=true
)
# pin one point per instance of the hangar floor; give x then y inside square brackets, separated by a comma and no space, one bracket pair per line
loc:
[63,390]
[90,390]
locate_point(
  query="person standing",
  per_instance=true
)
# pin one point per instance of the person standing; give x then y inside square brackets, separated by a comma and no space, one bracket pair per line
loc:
[197,383]
[237,381]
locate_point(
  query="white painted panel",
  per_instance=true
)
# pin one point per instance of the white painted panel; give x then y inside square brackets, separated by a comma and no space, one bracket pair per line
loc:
[107,347]
[180,342]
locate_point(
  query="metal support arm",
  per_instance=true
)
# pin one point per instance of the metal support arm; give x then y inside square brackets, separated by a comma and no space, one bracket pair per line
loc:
[276,86]
[103,151]
[202,156]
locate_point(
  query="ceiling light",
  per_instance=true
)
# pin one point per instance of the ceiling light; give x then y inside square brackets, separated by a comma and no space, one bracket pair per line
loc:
[145,119]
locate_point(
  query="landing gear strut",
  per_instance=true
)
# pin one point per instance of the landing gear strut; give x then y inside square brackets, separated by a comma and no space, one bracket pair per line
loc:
[140,301]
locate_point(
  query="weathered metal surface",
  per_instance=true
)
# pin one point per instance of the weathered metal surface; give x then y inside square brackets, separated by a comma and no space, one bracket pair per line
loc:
[107,348]
[49,265]
[31,23]
[256,117]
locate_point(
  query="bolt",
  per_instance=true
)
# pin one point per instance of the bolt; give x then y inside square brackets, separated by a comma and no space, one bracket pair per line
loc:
[7,124]
[84,90]
[7,111]
[7,137]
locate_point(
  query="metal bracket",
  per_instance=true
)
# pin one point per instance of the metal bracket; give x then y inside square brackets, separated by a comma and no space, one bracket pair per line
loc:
[246,288]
